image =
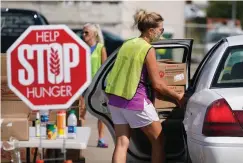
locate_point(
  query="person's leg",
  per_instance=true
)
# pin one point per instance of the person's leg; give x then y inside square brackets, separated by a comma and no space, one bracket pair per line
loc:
[154,133]
[82,110]
[122,143]
[148,120]
[101,127]
[101,141]
[122,131]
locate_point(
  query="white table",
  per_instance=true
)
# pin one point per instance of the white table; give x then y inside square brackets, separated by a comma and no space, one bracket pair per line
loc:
[81,141]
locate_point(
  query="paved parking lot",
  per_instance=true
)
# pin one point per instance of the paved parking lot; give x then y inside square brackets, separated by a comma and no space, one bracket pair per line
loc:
[92,153]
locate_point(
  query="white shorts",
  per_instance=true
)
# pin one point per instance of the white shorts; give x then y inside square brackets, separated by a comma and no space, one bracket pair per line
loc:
[135,118]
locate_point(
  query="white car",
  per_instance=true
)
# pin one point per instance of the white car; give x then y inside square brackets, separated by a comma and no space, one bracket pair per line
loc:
[210,127]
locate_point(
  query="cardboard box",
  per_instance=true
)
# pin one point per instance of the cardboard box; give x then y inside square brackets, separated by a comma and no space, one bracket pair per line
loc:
[15,123]
[53,116]
[16,127]
[6,93]
[173,73]
[161,101]
[32,116]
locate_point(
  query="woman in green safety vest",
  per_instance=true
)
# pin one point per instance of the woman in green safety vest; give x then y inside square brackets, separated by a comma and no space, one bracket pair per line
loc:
[126,88]
[92,35]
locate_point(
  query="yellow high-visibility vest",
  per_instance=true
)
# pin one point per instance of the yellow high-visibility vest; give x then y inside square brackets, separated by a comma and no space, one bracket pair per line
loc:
[96,59]
[125,75]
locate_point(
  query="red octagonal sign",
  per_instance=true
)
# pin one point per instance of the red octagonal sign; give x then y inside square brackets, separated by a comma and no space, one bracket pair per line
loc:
[48,67]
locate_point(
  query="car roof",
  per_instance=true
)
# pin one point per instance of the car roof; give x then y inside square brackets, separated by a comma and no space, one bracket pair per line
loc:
[27,11]
[24,11]
[235,40]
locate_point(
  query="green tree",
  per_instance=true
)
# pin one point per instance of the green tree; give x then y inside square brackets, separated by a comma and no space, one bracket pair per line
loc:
[223,9]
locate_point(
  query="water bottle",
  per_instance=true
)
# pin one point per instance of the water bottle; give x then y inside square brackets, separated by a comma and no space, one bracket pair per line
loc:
[44,116]
[72,125]
[37,125]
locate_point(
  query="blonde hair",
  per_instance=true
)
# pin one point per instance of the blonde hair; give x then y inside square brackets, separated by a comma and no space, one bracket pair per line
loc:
[96,28]
[144,20]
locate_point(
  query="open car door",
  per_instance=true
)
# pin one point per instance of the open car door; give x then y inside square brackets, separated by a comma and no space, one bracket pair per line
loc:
[171,118]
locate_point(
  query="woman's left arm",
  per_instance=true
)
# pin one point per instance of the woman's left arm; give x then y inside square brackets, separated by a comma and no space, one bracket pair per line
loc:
[103,55]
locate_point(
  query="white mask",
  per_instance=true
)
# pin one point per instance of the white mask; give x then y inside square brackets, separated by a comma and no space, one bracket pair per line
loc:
[156,36]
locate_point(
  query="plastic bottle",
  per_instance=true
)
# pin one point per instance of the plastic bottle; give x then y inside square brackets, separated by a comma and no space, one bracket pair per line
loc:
[37,125]
[44,117]
[72,125]
[61,123]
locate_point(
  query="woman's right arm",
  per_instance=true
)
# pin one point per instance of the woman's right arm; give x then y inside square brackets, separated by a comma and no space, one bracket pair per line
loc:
[157,83]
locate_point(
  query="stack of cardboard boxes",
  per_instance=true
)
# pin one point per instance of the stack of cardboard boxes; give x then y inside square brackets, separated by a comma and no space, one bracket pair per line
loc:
[14,116]
[175,76]
[14,112]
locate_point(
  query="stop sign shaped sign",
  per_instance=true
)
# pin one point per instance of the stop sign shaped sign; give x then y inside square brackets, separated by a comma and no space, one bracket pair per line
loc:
[48,67]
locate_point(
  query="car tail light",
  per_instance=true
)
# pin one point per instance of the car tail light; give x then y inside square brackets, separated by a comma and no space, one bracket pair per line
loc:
[239,116]
[221,121]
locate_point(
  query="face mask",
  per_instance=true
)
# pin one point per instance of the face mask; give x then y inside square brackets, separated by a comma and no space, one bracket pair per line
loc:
[156,36]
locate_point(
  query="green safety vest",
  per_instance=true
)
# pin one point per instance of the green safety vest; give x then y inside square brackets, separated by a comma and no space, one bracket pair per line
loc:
[125,75]
[96,59]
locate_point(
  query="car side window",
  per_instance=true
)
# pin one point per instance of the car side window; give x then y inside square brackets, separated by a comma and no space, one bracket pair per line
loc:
[229,72]
[197,74]
[175,54]
[234,58]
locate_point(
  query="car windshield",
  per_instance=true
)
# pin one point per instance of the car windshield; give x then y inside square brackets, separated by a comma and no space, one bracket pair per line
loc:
[13,24]
[111,35]
[229,73]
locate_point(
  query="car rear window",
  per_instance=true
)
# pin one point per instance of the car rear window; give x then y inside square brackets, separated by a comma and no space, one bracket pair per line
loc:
[229,72]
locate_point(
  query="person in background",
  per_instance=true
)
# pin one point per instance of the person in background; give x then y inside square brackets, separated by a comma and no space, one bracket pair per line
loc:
[129,103]
[92,35]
